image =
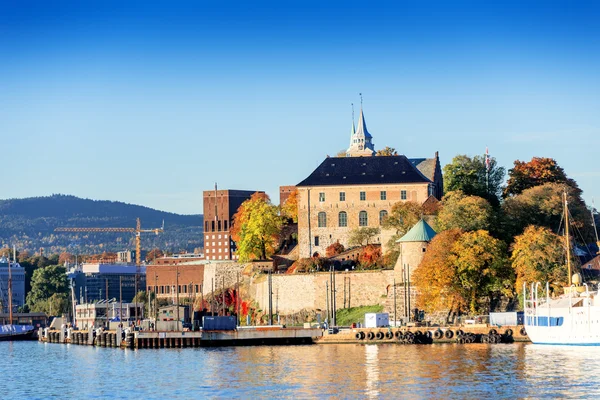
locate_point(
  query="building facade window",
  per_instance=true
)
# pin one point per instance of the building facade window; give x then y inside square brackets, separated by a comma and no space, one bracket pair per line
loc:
[363,196]
[383,195]
[342,196]
[382,215]
[363,219]
[322,197]
[316,240]
[322,217]
[343,219]
[403,195]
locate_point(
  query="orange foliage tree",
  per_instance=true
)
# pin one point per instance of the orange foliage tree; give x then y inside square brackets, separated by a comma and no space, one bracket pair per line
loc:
[289,209]
[435,275]
[370,257]
[334,249]
[538,171]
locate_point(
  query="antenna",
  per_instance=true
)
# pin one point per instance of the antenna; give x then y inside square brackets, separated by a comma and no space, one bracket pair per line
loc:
[352,104]
[360,94]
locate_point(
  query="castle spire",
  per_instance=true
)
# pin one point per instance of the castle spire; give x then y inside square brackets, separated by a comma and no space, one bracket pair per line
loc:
[361,141]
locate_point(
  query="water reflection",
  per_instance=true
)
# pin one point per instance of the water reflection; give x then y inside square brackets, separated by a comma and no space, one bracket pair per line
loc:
[342,371]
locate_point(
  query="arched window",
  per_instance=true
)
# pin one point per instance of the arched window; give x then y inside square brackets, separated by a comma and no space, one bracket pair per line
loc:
[322,220]
[382,215]
[343,219]
[363,220]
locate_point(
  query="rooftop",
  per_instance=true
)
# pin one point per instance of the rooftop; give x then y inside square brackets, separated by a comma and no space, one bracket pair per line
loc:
[421,232]
[364,171]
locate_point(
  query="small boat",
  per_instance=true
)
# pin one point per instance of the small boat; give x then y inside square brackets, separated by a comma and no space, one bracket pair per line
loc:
[10,332]
[571,319]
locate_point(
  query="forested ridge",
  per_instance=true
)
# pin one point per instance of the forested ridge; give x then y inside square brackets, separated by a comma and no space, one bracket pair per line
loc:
[29,224]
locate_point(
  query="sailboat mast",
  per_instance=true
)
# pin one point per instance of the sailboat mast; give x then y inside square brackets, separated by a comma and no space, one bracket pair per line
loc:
[594,224]
[567,239]
[10,311]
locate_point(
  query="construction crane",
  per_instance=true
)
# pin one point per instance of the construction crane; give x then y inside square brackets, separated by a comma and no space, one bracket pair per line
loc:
[137,231]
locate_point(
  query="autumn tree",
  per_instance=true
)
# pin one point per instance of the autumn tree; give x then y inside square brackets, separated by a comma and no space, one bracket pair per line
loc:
[256,228]
[370,257]
[435,276]
[468,213]
[461,271]
[403,216]
[154,254]
[482,270]
[289,209]
[334,249]
[543,206]
[538,255]
[362,236]
[538,171]
[387,151]
[65,258]
[470,176]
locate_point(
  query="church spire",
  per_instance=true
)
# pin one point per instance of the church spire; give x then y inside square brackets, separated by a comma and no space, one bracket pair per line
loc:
[361,141]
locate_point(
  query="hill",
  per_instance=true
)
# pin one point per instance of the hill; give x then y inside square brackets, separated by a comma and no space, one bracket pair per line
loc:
[29,224]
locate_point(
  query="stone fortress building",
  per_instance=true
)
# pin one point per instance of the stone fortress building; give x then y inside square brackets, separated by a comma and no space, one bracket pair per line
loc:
[359,190]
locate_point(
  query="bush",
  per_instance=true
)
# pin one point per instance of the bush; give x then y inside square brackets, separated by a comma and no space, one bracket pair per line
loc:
[334,249]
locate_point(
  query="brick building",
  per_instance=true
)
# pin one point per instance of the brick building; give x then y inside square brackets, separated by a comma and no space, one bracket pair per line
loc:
[219,208]
[284,193]
[163,280]
[359,190]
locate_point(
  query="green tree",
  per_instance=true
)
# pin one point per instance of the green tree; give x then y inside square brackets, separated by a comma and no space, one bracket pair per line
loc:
[469,213]
[538,256]
[49,290]
[362,236]
[538,171]
[469,175]
[256,228]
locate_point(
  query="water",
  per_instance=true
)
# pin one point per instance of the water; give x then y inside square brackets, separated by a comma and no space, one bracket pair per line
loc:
[35,370]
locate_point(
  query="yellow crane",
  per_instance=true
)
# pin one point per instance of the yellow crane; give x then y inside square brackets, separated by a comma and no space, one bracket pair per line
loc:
[137,231]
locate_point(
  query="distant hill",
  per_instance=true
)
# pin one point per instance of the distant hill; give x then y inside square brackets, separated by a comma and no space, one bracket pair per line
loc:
[29,224]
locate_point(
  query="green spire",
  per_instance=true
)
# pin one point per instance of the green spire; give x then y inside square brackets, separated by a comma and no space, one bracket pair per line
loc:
[421,232]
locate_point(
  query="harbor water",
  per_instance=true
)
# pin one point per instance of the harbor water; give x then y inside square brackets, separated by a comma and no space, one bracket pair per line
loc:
[33,370]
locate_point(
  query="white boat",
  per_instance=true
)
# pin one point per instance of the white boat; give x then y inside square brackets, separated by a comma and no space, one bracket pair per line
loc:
[571,319]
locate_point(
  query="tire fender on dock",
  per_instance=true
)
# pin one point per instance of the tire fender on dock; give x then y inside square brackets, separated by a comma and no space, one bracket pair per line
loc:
[449,334]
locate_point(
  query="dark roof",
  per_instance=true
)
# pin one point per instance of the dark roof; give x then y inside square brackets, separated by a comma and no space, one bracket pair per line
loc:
[425,165]
[364,171]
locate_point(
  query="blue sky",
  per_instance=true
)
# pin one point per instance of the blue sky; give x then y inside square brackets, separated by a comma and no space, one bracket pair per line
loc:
[153,103]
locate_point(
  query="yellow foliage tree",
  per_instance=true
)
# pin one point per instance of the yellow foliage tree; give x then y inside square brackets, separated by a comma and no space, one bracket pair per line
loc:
[460,269]
[256,228]
[469,213]
[538,256]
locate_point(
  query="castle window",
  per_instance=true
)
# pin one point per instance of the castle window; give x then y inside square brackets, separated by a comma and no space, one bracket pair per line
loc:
[342,196]
[322,197]
[363,196]
[403,195]
[343,219]
[382,215]
[316,240]
[322,220]
[383,195]
[363,219]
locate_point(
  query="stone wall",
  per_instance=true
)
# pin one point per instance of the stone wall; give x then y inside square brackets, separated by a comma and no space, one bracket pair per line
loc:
[219,270]
[295,292]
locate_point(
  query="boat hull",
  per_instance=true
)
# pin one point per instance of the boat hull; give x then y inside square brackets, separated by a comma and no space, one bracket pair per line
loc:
[17,332]
[563,326]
